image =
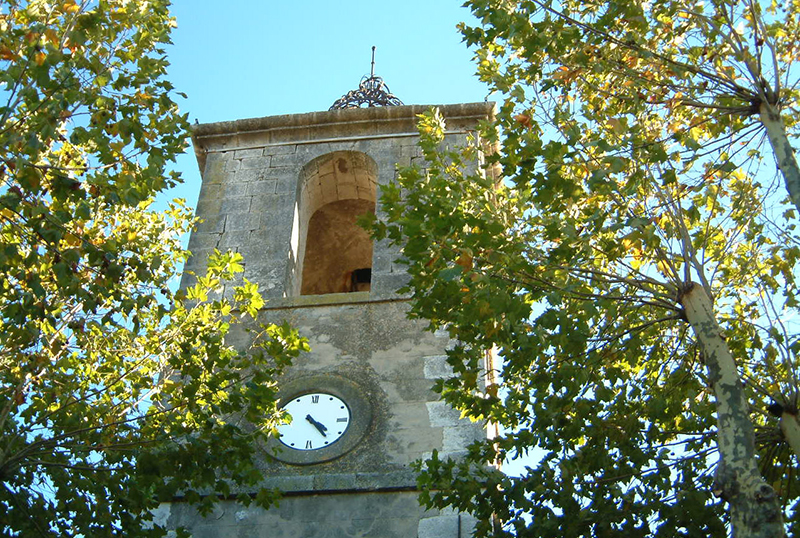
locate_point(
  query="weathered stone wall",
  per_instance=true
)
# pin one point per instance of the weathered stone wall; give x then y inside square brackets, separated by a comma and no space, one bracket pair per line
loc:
[342,515]
[396,363]
[252,175]
[251,171]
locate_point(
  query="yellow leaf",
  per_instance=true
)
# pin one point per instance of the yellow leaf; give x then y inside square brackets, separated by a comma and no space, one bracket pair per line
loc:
[71,7]
[663,268]
[6,53]
[524,120]
[51,36]
[40,57]
[465,260]
[616,125]
[567,75]
[71,239]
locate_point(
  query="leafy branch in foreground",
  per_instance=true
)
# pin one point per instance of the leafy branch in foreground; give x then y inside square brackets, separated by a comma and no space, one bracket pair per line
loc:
[116,393]
[632,262]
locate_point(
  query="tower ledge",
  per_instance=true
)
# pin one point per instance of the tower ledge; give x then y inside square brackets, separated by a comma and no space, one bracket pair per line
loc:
[315,127]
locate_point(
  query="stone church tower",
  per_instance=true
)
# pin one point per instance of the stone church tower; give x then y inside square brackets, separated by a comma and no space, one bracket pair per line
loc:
[285,191]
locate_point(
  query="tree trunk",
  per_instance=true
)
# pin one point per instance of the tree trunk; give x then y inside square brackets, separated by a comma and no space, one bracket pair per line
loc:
[784,153]
[791,430]
[754,507]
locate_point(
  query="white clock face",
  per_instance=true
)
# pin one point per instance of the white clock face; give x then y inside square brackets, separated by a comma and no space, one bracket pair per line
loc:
[318,420]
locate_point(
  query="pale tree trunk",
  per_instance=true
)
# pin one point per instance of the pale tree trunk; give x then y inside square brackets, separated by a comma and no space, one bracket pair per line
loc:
[784,153]
[791,430]
[754,507]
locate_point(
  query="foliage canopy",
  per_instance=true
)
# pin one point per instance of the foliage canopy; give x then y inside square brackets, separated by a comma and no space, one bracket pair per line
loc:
[631,253]
[115,392]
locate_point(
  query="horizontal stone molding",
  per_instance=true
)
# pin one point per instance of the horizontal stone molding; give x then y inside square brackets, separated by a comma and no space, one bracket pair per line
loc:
[246,136]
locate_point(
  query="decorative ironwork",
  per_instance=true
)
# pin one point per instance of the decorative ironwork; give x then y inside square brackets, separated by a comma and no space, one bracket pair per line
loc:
[372,91]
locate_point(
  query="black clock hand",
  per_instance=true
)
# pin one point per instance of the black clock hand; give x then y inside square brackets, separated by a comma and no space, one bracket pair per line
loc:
[322,429]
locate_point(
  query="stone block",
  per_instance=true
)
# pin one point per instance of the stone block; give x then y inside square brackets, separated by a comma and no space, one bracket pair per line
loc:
[313,190]
[271,289]
[441,414]
[235,204]
[394,479]
[365,193]
[329,193]
[441,332]
[280,171]
[347,191]
[285,160]
[398,266]
[455,439]
[255,163]
[409,416]
[307,152]
[277,226]
[240,339]
[468,524]
[202,241]
[210,191]
[215,168]
[333,482]
[385,285]
[436,366]
[258,270]
[235,189]
[287,184]
[262,187]
[410,444]
[233,240]
[248,153]
[207,207]
[248,175]
[438,526]
[237,222]
[261,203]
[210,224]
[198,261]
[382,260]
[291,483]
[232,165]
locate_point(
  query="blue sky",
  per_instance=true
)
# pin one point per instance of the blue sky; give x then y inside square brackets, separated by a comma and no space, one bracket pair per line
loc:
[251,58]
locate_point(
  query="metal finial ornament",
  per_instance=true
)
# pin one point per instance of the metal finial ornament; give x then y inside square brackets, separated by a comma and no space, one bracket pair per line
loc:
[372,91]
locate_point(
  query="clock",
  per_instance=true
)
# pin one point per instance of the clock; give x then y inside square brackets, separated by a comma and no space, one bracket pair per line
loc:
[318,419]
[330,415]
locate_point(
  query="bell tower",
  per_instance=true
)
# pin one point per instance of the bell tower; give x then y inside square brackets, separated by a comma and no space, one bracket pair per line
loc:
[285,192]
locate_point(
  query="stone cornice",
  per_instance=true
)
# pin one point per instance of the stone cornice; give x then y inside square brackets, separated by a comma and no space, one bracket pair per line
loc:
[314,127]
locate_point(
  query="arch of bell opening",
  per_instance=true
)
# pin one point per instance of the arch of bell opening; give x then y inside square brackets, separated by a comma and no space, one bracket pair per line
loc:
[334,254]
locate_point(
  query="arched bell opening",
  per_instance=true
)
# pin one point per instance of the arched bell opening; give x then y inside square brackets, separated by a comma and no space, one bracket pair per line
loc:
[334,253]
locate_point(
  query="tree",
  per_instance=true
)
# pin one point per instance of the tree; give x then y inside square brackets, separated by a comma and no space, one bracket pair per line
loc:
[116,392]
[632,260]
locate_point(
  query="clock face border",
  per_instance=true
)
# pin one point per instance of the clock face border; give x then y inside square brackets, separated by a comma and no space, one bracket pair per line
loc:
[353,397]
